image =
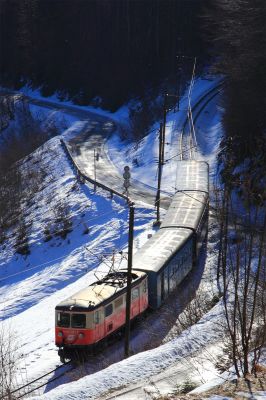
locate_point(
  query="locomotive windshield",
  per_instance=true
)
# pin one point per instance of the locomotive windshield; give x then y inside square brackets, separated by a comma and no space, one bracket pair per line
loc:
[78,320]
[63,319]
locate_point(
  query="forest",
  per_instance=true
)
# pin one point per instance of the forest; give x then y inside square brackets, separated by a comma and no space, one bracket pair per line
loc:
[106,52]
[236,31]
[102,50]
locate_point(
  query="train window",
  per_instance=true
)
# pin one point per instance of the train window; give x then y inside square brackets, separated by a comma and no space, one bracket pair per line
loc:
[78,321]
[97,317]
[135,293]
[63,319]
[119,302]
[108,310]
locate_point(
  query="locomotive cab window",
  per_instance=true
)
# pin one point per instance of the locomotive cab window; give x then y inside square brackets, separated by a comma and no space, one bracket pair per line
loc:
[78,321]
[63,319]
[108,310]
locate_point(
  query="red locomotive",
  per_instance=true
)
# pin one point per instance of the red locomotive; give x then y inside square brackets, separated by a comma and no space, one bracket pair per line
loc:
[94,313]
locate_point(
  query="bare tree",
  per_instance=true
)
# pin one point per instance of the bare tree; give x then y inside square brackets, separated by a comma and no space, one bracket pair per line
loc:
[8,362]
[242,265]
[63,221]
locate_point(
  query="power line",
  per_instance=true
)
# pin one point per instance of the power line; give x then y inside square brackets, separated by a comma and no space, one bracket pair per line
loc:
[40,265]
[58,258]
[190,116]
[180,154]
[61,230]
[29,269]
[80,221]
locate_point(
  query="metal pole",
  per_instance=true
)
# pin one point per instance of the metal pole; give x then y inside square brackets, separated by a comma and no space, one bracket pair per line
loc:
[158,195]
[129,277]
[164,124]
[94,157]
[179,72]
[178,91]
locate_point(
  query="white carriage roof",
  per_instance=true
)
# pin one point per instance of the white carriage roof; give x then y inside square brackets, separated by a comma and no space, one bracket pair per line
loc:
[93,295]
[192,175]
[186,210]
[159,249]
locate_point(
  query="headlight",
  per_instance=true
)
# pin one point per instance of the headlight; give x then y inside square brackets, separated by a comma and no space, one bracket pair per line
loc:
[60,334]
[81,335]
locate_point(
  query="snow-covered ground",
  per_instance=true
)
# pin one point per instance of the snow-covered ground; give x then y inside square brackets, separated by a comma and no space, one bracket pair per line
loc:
[32,286]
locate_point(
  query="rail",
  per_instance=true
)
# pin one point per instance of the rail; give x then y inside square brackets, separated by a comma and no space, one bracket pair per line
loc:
[208,96]
[9,394]
[81,175]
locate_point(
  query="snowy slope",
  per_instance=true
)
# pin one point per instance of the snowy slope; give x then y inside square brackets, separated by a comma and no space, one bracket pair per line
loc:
[31,286]
[59,267]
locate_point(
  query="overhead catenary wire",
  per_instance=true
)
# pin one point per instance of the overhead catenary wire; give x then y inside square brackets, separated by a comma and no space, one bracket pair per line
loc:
[81,273]
[190,116]
[90,219]
[100,258]
[180,154]
[96,268]
[104,214]
[54,232]
[47,264]
[216,210]
[50,262]
[58,231]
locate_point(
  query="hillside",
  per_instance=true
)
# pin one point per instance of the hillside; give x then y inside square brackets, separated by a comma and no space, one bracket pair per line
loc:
[75,254]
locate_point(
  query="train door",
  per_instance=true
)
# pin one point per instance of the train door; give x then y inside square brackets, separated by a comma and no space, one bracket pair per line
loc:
[98,325]
[144,295]
[135,302]
[108,320]
[162,286]
[166,282]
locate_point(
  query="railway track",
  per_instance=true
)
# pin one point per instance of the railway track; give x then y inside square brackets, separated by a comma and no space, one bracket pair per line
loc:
[186,150]
[187,142]
[27,388]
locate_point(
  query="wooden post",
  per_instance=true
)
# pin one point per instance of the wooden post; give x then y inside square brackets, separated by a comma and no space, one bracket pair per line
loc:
[129,277]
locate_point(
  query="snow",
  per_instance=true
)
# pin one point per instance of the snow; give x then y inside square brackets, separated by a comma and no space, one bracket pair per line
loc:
[55,264]
[32,287]
[228,376]
[142,158]
[56,103]
[142,365]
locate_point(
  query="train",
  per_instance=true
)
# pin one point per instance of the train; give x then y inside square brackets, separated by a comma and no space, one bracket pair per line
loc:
[90,316]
